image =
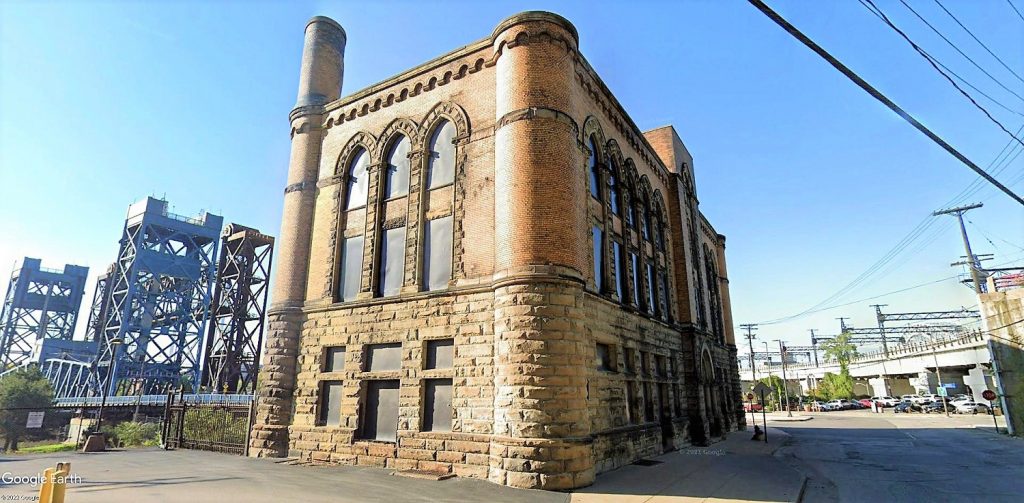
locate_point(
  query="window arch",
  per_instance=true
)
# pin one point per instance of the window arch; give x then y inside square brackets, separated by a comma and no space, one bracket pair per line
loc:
[441,160]
[358,176]
[396,179]
[593,176]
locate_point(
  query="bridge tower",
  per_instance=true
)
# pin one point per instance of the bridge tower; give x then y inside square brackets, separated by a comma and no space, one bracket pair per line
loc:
[158,298]
[40,304]
[100,303]
[235,335]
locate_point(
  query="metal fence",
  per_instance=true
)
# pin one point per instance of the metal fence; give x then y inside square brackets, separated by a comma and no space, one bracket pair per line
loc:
[219,427]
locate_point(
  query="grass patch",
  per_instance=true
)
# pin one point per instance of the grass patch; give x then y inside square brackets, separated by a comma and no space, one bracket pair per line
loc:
[48,448]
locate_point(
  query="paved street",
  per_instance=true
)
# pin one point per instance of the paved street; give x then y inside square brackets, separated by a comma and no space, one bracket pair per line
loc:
[859,456]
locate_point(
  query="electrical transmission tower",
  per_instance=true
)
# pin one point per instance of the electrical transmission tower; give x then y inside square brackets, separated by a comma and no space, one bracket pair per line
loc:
[235,335]
[40,304]
[159,298]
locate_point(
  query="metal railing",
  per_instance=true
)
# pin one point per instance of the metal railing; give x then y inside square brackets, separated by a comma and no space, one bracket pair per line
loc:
[148,400]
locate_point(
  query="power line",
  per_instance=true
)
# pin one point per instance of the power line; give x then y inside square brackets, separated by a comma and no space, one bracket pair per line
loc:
[1014,7]
[881,15]
[880,97]
[951,44]
[969,32]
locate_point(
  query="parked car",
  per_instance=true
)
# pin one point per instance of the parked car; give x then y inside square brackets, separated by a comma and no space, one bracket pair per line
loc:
[866,402]
[886,401]
[841,404]
[907,406]
[911,398]
[970,408]
[756,407]
[939,407]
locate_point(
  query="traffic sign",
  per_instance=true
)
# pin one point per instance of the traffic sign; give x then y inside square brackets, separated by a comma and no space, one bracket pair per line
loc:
[949,385]
[35,420]
[761,388]
[750,396]
[942,391]
[988,395]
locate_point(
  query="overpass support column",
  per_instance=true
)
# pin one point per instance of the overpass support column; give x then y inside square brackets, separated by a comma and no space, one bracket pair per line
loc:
[925,382]
[879,386]
[975,378]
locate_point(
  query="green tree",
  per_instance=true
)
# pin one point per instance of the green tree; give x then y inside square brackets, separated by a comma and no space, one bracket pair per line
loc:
[841,349]
[834,386]
[21,390]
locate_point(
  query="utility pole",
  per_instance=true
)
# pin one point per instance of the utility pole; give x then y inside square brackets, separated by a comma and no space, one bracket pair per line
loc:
[881,326]
[971,259]
[938,373]
[842,324]
[750,327]
[814,344]
[785,395]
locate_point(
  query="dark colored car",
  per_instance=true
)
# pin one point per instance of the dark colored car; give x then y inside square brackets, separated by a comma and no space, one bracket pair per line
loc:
[938,407]
[907,406]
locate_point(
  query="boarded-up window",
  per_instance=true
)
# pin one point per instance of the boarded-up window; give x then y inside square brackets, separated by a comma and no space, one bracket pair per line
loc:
[330,403]
[441,168]
[665,297]
[380,357]
[358,180]
[636,278]
[649,402]
[652,302]
[630,355]
[334,360]
[380,415]
[598,259]
[659,365]
[396,182]
[351,268]
[630,402]
[437,405]
[392,261]
[645,362]
[605,358]
[440,354]
[620,266]
[438,253]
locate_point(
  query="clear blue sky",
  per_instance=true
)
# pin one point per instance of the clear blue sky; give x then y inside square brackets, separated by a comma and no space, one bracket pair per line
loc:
[811,180]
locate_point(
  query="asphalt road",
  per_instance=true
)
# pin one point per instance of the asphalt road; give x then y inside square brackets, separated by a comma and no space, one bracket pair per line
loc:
[859,456]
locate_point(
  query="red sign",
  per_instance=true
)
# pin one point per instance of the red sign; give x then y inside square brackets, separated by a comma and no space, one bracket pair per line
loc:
[988,395]
[750,396]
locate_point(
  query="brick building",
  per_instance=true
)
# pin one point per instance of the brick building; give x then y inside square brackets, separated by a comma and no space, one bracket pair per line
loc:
[486,268]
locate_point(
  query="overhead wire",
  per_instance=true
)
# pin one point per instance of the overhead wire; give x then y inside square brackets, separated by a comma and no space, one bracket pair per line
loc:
[976,39]
[870,5]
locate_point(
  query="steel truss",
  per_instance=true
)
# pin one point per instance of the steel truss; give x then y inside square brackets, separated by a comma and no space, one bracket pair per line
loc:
[40,304]
[235,336]
[159,297]
[100,305]
[933,315]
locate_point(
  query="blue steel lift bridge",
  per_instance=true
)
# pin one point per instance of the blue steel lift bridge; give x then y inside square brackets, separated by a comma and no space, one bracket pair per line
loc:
[40,304]
[157,301]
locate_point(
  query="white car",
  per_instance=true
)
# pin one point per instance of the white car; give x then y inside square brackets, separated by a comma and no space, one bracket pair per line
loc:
[970,407]
[886,401]
[918,399]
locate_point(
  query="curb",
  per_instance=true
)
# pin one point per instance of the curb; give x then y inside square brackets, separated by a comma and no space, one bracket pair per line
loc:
[803,488]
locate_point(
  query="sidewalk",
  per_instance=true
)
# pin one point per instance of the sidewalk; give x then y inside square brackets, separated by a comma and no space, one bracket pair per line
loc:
[735,469]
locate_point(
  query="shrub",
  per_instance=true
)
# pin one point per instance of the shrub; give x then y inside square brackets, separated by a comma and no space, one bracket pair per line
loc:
[133,434]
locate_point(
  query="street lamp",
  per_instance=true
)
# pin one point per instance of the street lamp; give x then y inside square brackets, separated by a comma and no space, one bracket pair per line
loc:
[113,344]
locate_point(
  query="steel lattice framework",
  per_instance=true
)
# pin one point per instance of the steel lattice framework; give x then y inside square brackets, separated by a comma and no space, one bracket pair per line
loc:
[40,304]
[932,315]
[100,304]
[159,299]
[235,337]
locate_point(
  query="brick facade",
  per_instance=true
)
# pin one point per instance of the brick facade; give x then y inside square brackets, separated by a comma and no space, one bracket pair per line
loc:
[556,374]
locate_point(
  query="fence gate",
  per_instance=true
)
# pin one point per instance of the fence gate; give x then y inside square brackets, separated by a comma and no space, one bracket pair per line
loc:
[208,427]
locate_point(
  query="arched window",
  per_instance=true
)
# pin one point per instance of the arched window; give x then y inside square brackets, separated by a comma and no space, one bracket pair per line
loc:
[630,204]
[598,238]
[441,166]
[595,186]
[358,179]
[645,217]
[396,182]
[613,187]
